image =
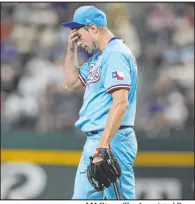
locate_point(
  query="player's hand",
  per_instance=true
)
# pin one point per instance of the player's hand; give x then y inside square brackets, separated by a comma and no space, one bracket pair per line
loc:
[103,169]
[72,40]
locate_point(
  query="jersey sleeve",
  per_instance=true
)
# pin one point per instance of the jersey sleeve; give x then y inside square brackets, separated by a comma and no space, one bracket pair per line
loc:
[83,73]
[116,74]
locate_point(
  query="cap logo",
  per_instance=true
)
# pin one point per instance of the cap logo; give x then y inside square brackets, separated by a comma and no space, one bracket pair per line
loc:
[88,21]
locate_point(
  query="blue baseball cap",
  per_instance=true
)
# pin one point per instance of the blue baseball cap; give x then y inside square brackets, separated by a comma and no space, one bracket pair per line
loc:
[87,15]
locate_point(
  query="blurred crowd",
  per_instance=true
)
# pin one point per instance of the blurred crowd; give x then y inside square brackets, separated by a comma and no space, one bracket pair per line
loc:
[33,47]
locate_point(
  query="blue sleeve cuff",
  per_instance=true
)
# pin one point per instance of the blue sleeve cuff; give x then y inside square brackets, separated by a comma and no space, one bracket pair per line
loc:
[82,80]
[117,87]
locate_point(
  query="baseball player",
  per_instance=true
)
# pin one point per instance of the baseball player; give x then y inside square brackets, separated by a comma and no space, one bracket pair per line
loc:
[108,112]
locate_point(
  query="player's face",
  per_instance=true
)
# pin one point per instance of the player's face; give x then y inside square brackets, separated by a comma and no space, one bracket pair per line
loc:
[86,40]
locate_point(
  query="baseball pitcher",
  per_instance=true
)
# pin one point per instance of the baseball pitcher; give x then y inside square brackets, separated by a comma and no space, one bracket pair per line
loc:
[108,112]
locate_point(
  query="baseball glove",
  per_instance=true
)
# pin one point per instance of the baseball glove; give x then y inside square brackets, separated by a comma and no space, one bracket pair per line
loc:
[101,174]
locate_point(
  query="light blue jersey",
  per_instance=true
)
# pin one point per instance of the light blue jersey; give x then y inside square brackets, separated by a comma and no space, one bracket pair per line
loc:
[113,69]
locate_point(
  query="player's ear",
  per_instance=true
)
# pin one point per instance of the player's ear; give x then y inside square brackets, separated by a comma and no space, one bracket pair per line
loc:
[94,28]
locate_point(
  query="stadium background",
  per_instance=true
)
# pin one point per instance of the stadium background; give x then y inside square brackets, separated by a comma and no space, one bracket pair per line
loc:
[40,148]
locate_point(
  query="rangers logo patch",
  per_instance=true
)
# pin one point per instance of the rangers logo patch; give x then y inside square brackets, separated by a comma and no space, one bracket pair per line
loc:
[94,74]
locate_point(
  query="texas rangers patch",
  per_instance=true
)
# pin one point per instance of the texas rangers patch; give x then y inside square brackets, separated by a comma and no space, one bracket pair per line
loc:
[118,75]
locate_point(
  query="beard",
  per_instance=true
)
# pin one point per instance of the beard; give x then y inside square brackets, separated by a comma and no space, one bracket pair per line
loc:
[94,47]
[90,50]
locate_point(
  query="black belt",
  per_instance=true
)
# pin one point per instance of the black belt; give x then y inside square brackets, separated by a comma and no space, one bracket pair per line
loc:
[97,131]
